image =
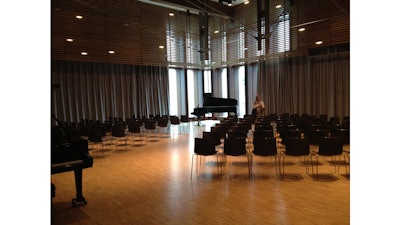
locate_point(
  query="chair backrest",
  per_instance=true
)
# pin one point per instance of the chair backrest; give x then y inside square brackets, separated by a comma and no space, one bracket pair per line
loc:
[263,133]
[150,125]
[162,122]
[174,120]
[329,146]
[237,134]
[204,147]
[262,126]
[134,128]
[214,138]
[297,146]
[95,135]
[235,146]
[118,130]
[264,146]
[341,132]
[184,118]
[218,131]
[290,133]
[315,135]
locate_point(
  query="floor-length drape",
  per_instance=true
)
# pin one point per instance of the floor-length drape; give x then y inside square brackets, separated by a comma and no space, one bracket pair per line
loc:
[313,85]
[98,91]
[252,86]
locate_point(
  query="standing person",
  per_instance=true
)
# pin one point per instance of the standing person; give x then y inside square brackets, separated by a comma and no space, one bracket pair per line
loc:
[258,107]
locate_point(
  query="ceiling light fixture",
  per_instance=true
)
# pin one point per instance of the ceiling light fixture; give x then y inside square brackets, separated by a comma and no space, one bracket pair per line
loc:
[229,2]
[84,53]
[171,14]
[302,29]
[79,17]
[111,52]
[278,6]
[69,39]
[246,2]
[318,42]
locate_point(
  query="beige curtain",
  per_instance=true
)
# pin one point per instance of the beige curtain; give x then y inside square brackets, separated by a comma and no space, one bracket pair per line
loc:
[314,85]
[98,91]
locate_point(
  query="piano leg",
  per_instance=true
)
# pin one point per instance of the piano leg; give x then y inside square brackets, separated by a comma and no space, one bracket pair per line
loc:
[199,118]
[79,200]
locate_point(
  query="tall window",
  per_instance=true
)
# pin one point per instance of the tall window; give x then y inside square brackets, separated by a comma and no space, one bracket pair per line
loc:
[283,33]
[207,85]
[173,92]
[207,81]
[242,94]
[224,87]
[191,89]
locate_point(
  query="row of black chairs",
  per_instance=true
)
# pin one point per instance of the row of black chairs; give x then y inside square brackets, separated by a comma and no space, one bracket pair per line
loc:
[267,147]
[106,133]
[266,141]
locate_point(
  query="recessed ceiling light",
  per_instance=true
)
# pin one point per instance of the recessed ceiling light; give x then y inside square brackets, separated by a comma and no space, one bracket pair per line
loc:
[216,31]
[84,53]
[246,2]
[161,46]
[302,29]
[278,6]
[111,52]
[70,39]
[79,17]
[171,14]
[318,42]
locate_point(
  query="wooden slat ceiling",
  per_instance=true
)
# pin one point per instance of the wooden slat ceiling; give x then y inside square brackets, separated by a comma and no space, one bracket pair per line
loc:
[134,30]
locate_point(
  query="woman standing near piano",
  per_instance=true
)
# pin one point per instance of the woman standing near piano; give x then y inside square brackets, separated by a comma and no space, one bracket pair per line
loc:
[258,107]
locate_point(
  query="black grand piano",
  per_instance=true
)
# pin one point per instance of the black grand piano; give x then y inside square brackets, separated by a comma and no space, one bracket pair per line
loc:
[69,152]
[215,105]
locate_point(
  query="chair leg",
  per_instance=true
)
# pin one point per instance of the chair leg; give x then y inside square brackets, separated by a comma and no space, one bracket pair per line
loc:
[312,165]
[276,166]
[249,165]
[336,164]
[219,174]
[191,170]
[283,168]
[317,167]
[307,162]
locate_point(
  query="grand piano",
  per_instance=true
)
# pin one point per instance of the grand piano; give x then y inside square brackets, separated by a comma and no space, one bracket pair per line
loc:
[215,105]
[69,152]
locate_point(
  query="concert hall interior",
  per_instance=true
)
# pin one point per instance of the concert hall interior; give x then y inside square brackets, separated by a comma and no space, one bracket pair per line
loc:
[151,107]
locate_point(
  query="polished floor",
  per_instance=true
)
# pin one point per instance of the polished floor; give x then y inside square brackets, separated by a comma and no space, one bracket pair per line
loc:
[150,182]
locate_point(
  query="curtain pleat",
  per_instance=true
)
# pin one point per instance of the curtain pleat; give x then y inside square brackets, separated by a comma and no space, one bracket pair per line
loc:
[252,82]
[99,91]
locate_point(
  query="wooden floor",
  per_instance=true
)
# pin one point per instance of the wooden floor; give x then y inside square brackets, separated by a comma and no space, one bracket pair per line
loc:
[150,183]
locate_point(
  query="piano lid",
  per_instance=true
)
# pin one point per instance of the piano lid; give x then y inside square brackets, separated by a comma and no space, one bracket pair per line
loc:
[213,101]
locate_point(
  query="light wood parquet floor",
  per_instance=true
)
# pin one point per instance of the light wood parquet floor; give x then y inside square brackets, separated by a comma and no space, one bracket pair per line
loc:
[149,183]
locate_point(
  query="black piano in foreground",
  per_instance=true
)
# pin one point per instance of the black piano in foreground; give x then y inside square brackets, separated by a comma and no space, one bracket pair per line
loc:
[215,105]
[69,152]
